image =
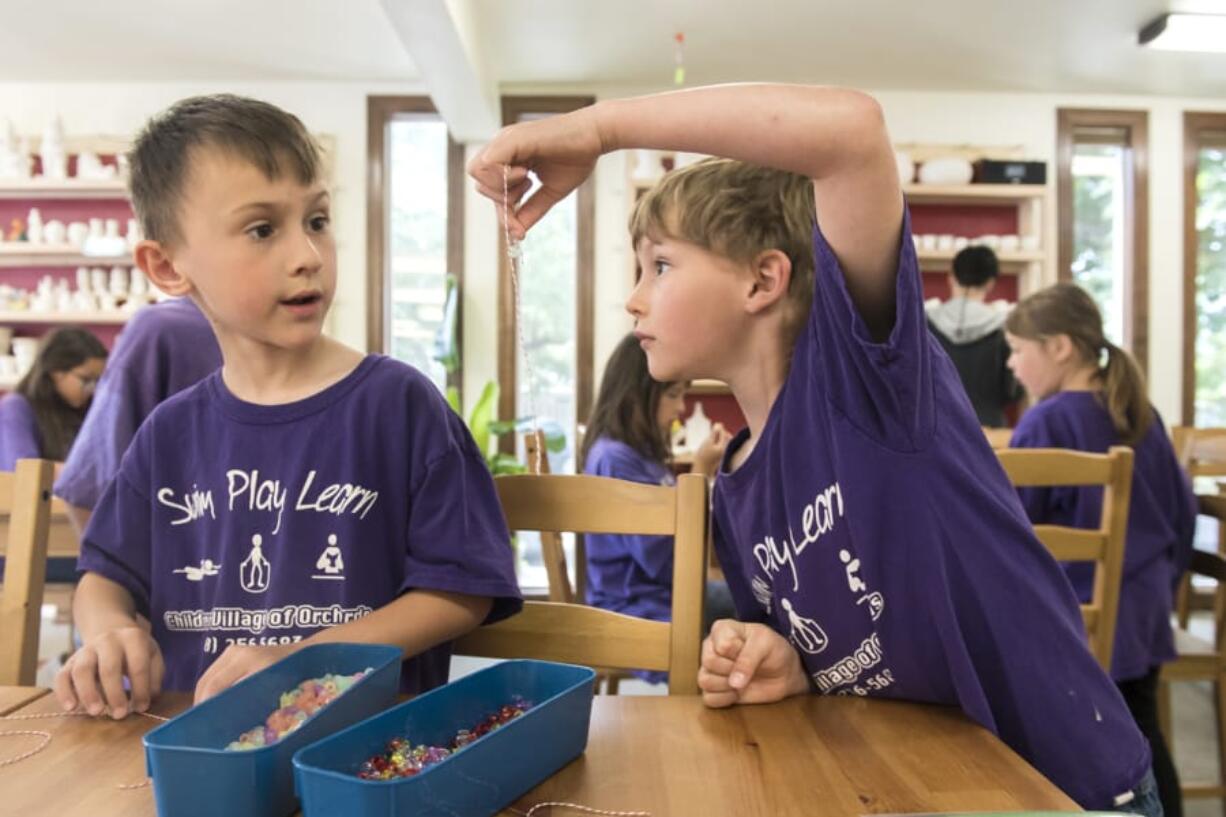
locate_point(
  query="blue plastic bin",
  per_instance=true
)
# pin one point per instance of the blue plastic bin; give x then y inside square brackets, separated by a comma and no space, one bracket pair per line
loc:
[193,774]
[481,778]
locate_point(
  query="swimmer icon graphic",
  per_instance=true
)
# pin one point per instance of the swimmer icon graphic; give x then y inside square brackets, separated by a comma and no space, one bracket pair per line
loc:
[255,571]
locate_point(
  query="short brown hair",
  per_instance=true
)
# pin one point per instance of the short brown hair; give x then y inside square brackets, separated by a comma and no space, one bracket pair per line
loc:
[257,132]
[737,210]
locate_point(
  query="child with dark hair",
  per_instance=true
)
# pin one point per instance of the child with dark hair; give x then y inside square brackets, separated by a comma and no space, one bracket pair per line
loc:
[1091,395]
[303,493]
[971,332]
[627,437]
[41,417]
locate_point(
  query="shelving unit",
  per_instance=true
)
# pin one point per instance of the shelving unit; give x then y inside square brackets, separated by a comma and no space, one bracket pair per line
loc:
[41,189]
[22,254]
[112,318]
[65,200]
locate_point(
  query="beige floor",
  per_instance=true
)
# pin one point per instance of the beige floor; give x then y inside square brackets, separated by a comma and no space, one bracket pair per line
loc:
[1195,737]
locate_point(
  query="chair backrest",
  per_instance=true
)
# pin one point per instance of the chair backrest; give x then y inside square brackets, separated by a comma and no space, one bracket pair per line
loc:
[579,634]
[1213,565]
[552,552]
[1201,451]
[1104,545]
[25,497]
[998,437]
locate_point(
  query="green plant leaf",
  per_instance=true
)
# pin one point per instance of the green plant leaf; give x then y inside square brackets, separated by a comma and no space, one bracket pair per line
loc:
[506,464]
[556,443]
[453,400]
[481,417]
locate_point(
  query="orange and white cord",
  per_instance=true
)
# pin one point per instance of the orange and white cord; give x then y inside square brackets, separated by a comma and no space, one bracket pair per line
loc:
[515,261]
[46,736]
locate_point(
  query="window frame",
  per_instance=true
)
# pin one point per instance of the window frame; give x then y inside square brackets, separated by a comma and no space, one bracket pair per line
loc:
[381,111]
[1135,124]
[513,108]
[1196,126]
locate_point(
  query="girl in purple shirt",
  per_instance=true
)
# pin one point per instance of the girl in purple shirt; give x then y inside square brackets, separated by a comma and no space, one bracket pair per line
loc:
[628,438]
[1092,396]
[41,417]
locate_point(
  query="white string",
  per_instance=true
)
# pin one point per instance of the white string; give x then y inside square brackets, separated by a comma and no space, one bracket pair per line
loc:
[46,736]
[516,257]
[584,809]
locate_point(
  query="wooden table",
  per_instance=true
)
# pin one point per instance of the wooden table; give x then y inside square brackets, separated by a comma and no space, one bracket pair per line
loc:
[666,755]
[14,698]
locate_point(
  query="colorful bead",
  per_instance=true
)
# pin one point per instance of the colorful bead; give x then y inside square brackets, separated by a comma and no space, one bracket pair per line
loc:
[296,706]
[401,759]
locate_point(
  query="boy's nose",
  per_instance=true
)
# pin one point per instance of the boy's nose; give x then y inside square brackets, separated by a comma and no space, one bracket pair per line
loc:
[308,257]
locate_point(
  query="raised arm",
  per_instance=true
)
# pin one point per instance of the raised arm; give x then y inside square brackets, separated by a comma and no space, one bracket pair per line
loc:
[835,136]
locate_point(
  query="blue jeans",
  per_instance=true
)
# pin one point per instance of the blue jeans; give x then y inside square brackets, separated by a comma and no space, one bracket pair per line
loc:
[1145,799]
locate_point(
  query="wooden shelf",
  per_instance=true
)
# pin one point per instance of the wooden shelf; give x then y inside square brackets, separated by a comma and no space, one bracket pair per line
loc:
[1003,256]
[25,254]
[40,188]
[1004,193]
[87,318]
[704,386]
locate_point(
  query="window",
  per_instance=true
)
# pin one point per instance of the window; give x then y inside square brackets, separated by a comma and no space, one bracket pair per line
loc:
[1103,240]
[545,347]
[415,232]
[1204,393]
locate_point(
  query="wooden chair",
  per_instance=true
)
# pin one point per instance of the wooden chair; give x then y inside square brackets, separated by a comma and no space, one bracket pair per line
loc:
[1052,467]
[25,497]
[1202,453]
[578,634]
[1201,660]
[998,437]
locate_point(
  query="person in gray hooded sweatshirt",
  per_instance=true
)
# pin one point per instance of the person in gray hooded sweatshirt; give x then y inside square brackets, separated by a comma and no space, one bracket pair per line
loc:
[972,333]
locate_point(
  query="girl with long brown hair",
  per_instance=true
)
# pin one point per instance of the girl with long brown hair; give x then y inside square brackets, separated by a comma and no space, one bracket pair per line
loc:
[627,437]
[1090,396]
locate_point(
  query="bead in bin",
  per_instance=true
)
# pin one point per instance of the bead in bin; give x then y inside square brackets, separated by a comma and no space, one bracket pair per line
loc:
[402,759]
[296,706]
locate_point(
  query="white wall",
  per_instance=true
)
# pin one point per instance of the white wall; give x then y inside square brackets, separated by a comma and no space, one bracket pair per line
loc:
[1028,120]
[336,109]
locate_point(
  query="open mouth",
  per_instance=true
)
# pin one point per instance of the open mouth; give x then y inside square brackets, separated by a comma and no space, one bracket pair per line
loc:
[303,299]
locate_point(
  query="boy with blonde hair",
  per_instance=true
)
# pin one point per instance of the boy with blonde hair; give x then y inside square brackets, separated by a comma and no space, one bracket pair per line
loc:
[304,492]
[872,542]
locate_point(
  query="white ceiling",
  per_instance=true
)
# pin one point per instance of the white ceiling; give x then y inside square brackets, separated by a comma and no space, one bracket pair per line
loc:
[198,40]
[1039,45]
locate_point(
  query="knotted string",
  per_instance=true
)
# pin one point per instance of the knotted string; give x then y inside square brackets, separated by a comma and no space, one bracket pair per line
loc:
[46,738]
[516,257]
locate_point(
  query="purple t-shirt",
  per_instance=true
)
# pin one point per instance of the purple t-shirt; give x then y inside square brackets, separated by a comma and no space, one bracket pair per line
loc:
[629,574]
[236,523]
[19,437]
[874,528]
[162,350]
[1161,521]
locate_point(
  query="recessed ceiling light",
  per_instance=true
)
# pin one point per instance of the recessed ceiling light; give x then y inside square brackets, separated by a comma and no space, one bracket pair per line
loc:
[1186,32]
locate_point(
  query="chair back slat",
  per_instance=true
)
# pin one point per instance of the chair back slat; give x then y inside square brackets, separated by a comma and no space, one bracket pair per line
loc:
[1054,467]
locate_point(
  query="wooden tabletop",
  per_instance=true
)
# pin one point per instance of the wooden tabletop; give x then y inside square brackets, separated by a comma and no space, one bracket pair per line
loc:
[12,698]
[665,755]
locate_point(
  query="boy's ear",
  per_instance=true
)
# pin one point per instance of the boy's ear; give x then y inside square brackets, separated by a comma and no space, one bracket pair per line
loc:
[154,260]
[772,272]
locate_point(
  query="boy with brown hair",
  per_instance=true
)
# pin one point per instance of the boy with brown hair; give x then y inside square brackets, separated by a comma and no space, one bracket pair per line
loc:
[872,543]
[303,493]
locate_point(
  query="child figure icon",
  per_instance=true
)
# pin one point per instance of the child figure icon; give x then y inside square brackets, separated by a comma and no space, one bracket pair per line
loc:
[255,571]
[330,562]
[805,633]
